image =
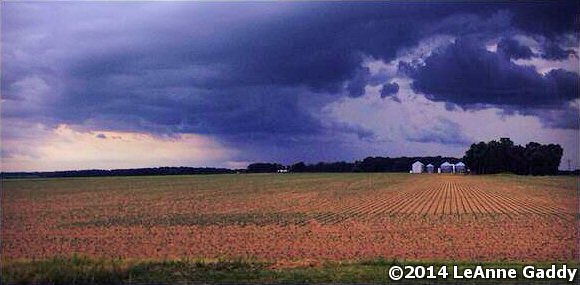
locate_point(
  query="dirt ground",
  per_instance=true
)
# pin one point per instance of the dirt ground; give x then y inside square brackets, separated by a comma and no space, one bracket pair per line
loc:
[294,217]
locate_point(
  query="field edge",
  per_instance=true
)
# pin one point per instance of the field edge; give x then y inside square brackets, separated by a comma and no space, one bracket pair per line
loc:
[87,270]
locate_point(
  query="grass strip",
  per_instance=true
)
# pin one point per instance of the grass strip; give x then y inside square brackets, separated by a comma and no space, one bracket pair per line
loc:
[85,270]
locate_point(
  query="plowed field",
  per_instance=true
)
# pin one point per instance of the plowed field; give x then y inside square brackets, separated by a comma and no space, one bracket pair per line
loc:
[294,217]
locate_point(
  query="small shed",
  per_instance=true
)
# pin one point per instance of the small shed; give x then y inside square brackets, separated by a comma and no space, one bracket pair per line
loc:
[460,167]
[447,167]
[430,168]
[417,167]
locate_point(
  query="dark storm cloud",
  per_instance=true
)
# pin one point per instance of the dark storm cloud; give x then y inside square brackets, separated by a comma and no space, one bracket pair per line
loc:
[356,86]
[565,118]
[513,49]
[389,90]
[468,75]
[554,52]
[547,18]
[253,72]
[219,69]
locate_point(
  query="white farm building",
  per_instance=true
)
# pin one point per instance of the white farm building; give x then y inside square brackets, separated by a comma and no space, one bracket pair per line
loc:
[460,167]
[447,167]
[417,167]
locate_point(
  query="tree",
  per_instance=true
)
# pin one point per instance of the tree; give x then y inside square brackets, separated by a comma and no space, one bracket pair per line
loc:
[298,167]
[264,167]
[505,156]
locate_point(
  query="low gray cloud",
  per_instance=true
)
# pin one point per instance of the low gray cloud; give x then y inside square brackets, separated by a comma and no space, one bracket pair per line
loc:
[439,130]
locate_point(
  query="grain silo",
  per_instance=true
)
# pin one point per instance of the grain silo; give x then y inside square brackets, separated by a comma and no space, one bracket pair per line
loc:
[446,167]
[460,167]
[417,167]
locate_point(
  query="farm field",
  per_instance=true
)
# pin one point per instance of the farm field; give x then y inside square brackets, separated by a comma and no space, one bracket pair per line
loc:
[293,220]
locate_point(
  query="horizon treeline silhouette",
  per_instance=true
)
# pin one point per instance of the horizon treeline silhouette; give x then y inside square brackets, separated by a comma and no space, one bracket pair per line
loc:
[491,157]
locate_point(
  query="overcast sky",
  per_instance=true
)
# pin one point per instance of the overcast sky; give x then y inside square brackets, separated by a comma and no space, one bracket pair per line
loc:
[117,85]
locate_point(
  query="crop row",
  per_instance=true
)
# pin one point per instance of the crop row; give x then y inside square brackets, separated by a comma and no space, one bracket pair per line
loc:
[447,198]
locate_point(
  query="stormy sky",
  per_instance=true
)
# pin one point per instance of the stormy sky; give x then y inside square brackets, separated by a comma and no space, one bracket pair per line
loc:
[143,84]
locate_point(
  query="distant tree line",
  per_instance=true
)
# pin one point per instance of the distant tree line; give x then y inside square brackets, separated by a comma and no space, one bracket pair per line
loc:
[262,167]
[505,156]
[481,158]
[369,164]
[119,172]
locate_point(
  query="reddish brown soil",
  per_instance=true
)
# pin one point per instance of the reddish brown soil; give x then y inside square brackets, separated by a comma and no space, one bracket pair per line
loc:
[309,219]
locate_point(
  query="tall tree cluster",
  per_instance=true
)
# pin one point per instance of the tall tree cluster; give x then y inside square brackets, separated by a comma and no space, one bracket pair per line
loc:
[505,156]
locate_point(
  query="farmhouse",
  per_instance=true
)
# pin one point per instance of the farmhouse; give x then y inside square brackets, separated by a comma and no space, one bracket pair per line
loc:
[430,168]
[417,167]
